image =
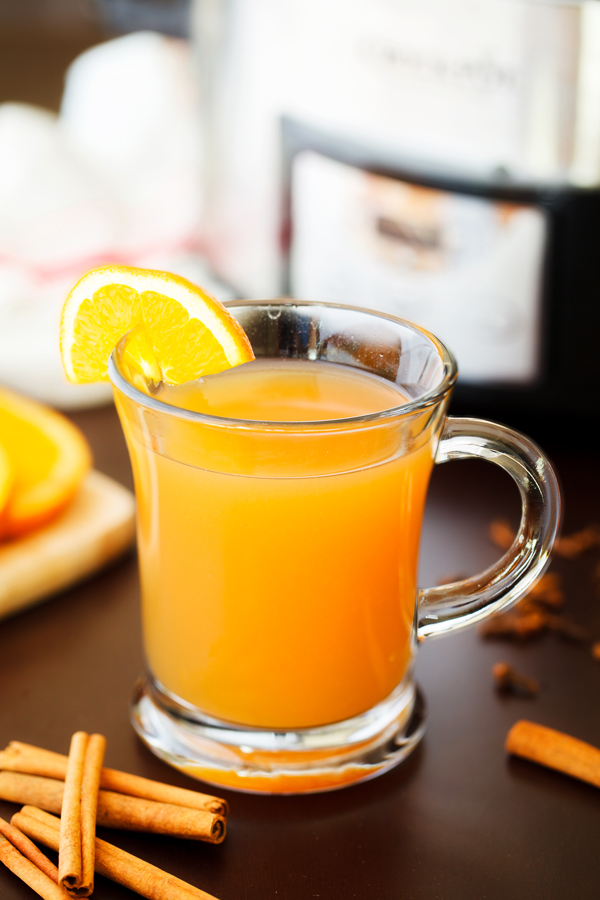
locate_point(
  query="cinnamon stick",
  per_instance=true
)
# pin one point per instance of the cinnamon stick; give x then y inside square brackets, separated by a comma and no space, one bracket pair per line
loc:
[70,865]
[24,869]
[117,810]
[555,750]
[19,757]
[28,849]
[112,862]
[90,785]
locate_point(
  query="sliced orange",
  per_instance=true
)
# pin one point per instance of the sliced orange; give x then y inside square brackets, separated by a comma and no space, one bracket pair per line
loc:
[6,482]
[177,332]
[48,457]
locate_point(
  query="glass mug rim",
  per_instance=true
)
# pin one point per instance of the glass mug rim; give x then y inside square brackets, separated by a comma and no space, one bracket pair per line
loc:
[428,399]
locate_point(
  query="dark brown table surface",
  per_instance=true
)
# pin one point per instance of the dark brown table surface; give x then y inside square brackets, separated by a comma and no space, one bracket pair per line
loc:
[458,820]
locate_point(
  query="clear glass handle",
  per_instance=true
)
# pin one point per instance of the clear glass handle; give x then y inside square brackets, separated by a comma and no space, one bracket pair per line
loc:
[451,606]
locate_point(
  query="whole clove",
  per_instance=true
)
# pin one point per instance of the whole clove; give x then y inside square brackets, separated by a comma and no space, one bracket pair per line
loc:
[548,591]
[535,614]
[567,629]
[573,545]
[501,533]
[570,546]
[514,625]
[508,680]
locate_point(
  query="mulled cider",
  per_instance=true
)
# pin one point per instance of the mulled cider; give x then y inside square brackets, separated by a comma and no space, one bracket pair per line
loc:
[278,560]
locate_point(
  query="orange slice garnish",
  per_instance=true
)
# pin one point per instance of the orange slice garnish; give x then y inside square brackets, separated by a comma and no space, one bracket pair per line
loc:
[46,458]
[177,331]
[6,482]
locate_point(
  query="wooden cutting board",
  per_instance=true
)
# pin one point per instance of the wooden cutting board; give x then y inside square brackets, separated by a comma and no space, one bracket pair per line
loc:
[96,527]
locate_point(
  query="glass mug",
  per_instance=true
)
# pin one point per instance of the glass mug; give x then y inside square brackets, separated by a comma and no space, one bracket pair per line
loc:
[278,559]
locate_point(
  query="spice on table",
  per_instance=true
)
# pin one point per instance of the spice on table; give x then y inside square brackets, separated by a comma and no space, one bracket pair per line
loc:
[112,862]
[535,613]
[118,810]
[501,533]
[514,624]
[555,750]
[94,757]
[78,815]
[566,628]
[28,849]
[509,681]
[29,873]
[76,795]
[70,868]
[548,591]
[19,757]
[573,545]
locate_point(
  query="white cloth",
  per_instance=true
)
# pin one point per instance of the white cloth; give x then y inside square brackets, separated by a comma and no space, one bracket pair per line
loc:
[115,177]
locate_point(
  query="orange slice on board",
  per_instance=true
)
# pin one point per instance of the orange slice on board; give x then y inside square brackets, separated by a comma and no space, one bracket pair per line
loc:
[176,331]
[47,459]
[6,481]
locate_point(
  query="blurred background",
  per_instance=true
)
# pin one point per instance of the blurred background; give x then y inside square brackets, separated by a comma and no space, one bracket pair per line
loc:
[99,162]
[435,159]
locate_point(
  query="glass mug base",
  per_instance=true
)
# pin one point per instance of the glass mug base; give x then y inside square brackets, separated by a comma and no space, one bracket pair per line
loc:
[279,762]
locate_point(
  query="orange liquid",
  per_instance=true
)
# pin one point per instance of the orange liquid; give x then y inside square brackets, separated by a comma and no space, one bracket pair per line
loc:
[279,569]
